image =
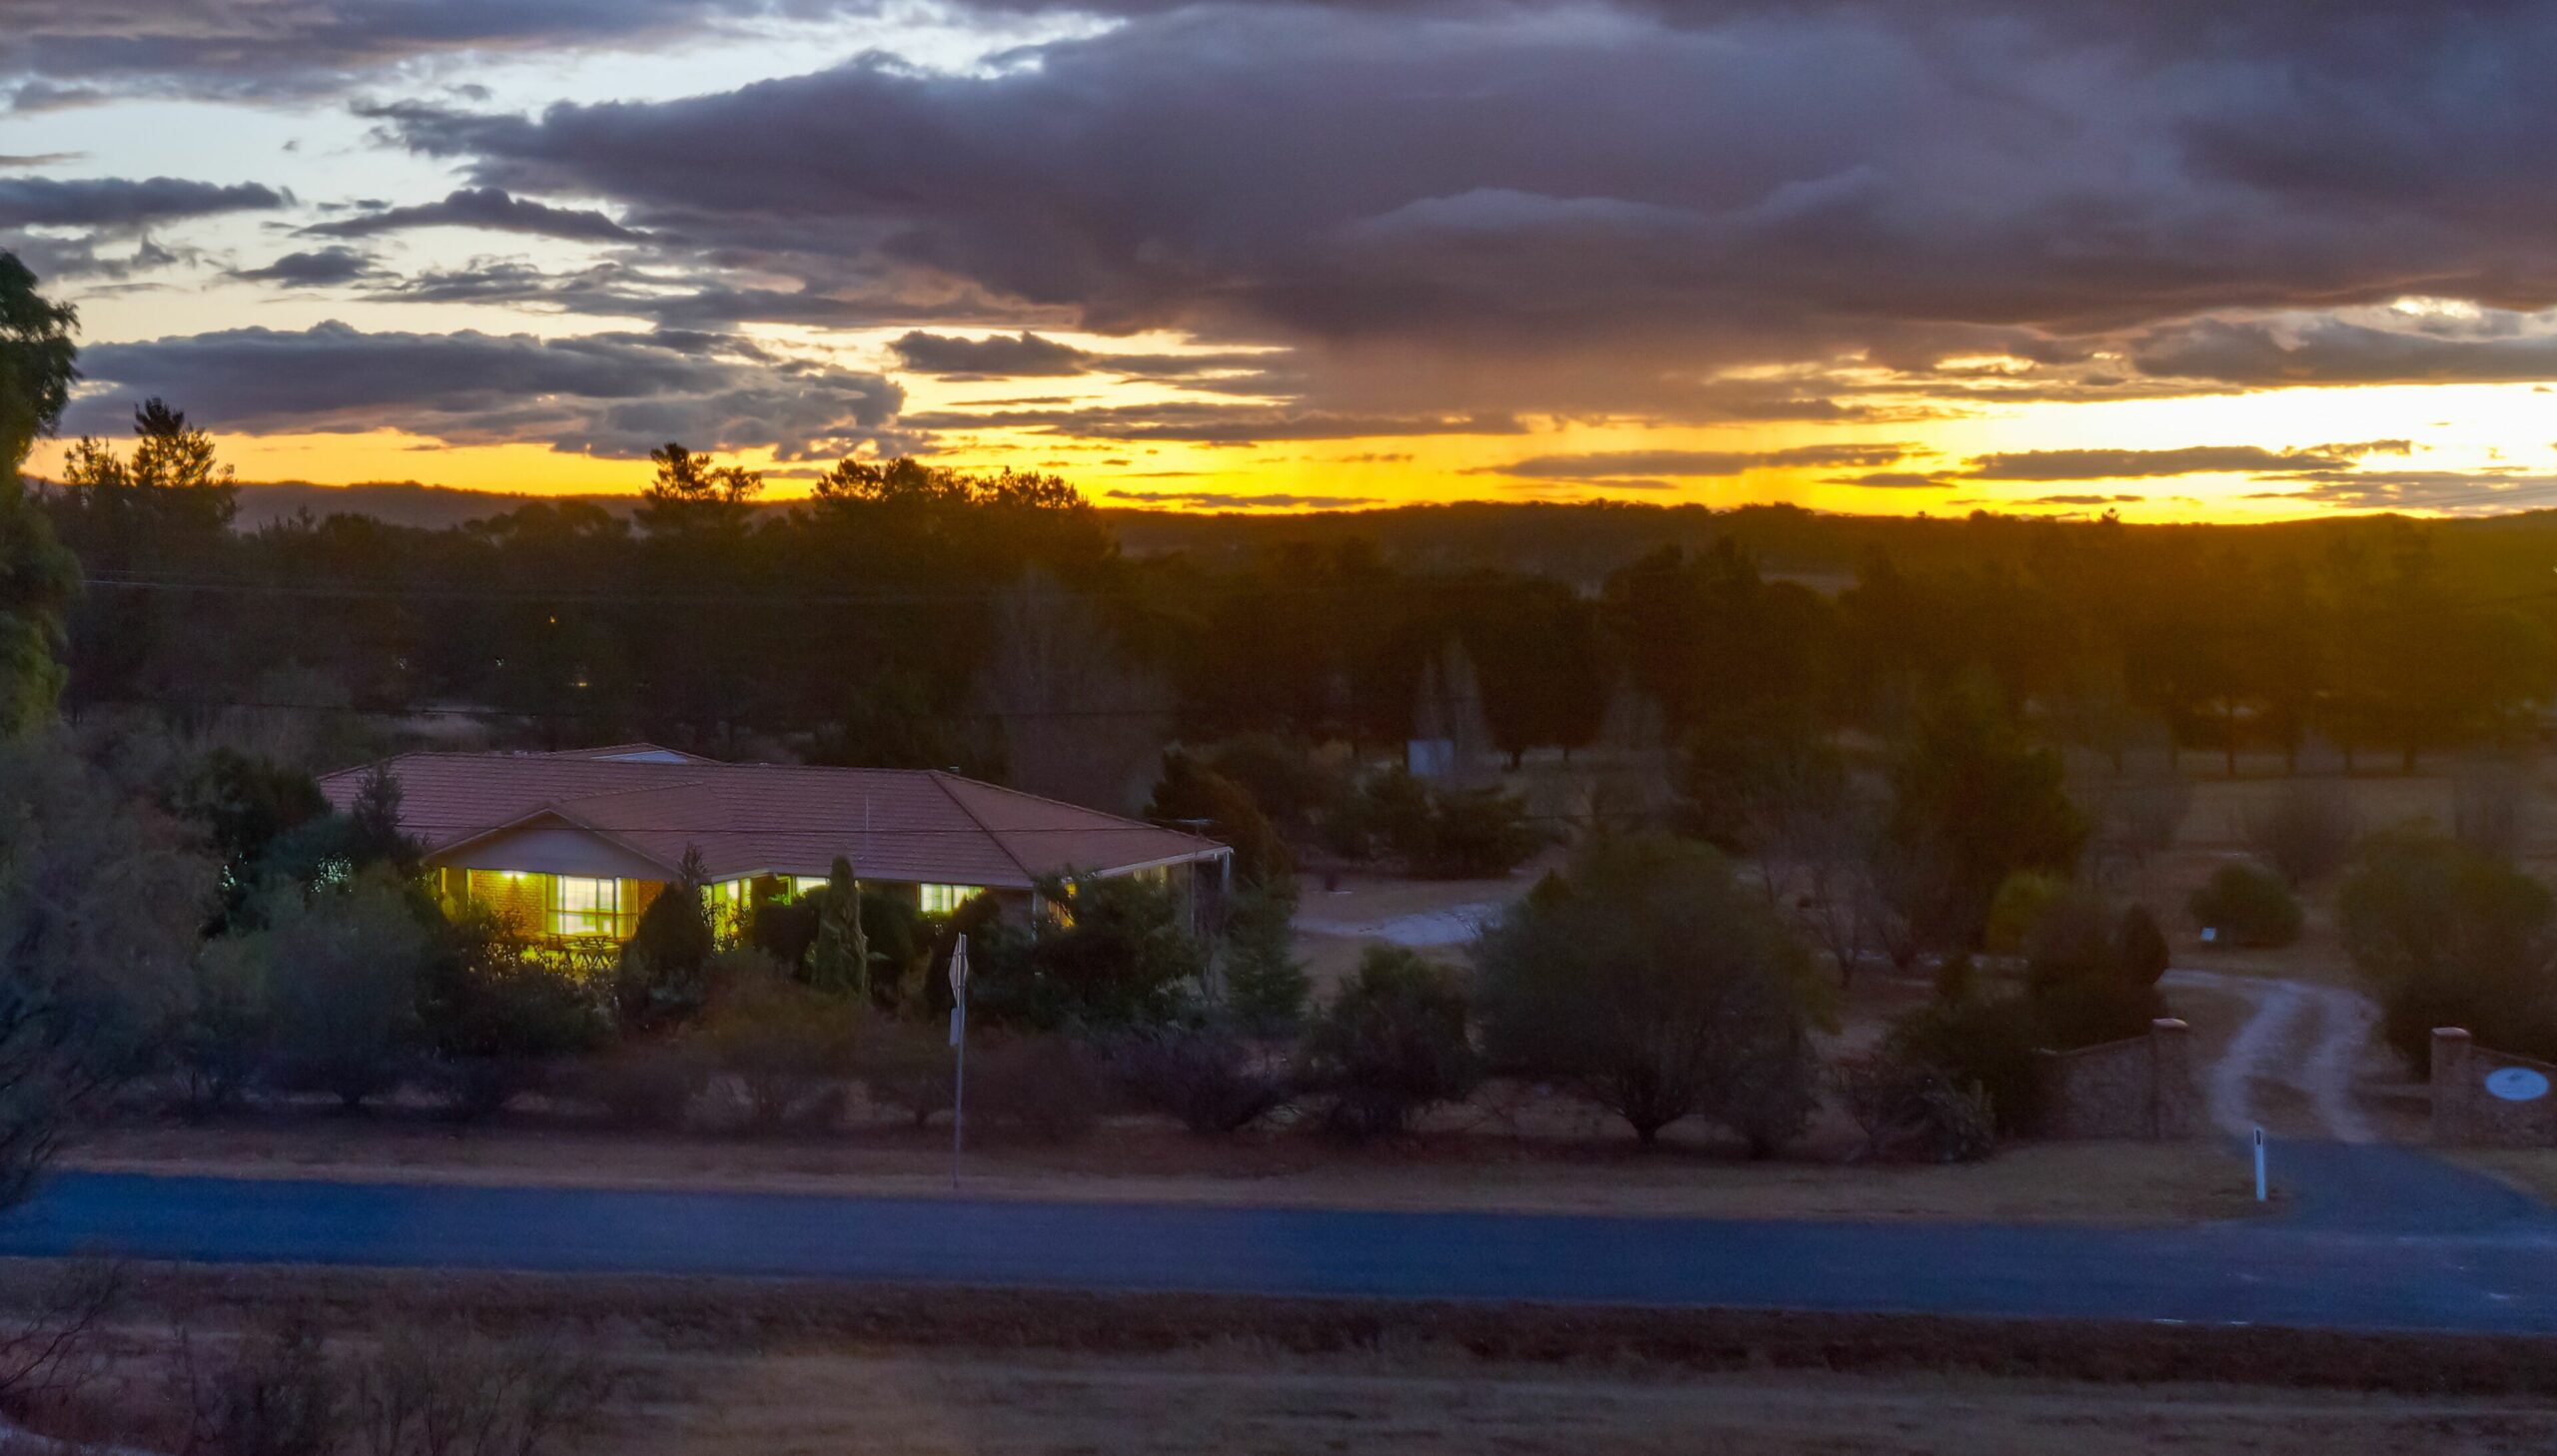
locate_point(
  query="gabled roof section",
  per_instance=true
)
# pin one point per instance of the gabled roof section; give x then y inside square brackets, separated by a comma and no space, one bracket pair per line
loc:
[749,818]
[632,753]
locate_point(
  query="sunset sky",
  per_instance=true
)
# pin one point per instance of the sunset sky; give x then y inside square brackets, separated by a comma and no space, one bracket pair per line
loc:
[2189,257]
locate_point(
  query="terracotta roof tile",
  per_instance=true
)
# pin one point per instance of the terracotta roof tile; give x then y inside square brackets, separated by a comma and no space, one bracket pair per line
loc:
[895,824]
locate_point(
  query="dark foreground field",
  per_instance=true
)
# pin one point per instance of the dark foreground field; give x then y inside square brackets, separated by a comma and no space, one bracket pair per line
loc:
[768,1367]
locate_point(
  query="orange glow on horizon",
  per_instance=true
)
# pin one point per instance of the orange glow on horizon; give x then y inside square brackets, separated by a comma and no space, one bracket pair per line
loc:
[2448,427]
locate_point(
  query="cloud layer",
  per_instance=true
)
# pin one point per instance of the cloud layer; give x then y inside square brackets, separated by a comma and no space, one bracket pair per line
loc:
[110,203]
[486,207]
[1399,217]
[606,395]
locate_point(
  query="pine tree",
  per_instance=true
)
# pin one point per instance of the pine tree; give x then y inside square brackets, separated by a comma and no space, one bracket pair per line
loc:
[38,578]
[840,959]
[1265,984]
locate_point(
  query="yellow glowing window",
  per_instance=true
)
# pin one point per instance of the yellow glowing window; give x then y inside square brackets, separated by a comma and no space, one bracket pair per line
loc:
[804,885]
[726,901]
[942,899]
[582,907]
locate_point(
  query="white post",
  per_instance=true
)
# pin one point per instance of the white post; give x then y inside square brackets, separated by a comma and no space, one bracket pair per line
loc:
[2259,1164]
[959,1039]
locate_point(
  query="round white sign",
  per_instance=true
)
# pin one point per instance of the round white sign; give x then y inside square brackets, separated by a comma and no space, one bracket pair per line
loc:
[2516,1083]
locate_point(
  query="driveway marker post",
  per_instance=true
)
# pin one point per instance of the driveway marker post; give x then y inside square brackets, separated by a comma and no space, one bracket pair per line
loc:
[959,1039]
[2259,1164]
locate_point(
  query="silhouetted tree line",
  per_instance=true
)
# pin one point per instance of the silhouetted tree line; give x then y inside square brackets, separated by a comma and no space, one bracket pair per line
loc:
[914,615]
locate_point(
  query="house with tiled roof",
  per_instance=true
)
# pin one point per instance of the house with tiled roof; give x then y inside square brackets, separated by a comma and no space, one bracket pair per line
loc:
[574,845]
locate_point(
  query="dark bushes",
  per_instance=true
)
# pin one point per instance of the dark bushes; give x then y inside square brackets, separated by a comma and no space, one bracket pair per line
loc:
[1210,1079]
[789,1047]
[1047,1089]
[2092,972]
[2451,937]
[908,1067]
[662,978]
[497,1015]
[1264,984]
[1914,1111]
[2305,832]
[1119,955]
[646,1084]
[288,1390]
[342,967]
[1656,987]
[1391,1043]
[2248,906]
[218,1046]
[1982,1047]
[1044,1088]
[1435,833]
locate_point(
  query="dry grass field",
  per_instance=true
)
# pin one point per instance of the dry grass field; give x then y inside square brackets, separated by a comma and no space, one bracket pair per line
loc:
[746,1368]
[1247,1404]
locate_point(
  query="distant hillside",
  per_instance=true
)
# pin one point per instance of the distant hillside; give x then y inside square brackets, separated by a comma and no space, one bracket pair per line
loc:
[403,502]
[1582,543]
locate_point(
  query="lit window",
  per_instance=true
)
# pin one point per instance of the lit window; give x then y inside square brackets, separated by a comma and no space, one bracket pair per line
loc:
[942,899]
[805,884]
[725,901]
[586,907]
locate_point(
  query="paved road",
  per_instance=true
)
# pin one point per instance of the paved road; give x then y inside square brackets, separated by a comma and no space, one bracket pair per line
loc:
[2493,1270]
[2378,1236]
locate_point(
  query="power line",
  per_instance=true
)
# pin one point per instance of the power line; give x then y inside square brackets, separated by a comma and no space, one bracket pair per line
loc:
[1152,589]
[587,715]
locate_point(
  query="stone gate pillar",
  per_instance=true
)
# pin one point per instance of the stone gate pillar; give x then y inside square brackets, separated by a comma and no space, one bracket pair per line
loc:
[2451,1089]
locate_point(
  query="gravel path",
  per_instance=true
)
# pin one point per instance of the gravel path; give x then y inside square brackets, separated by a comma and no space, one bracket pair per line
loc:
[2301,1035]
[1424,929]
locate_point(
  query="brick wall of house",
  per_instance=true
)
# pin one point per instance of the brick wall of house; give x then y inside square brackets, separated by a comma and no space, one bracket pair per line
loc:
[2464,1113]
[2140,1088]
[517,901]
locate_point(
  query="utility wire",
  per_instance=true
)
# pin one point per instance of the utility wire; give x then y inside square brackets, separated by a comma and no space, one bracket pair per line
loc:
[239,586]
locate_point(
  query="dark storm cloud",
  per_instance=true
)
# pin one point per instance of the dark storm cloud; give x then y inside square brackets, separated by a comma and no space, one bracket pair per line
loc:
[1700,188]
[1889,481]
[486,207]
[1028,356]
[88,257]
[43,96]
[2340,351]
[2133,465]
[1211,423]
[269,47]
[675,298]
[1617,464]
[1017,356]
[611,394]
[324,267]
[1439,216]
[112,203]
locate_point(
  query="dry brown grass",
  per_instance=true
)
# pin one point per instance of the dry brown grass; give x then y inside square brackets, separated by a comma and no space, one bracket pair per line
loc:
[896,1407]
[2107,1182]
[724,1368]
